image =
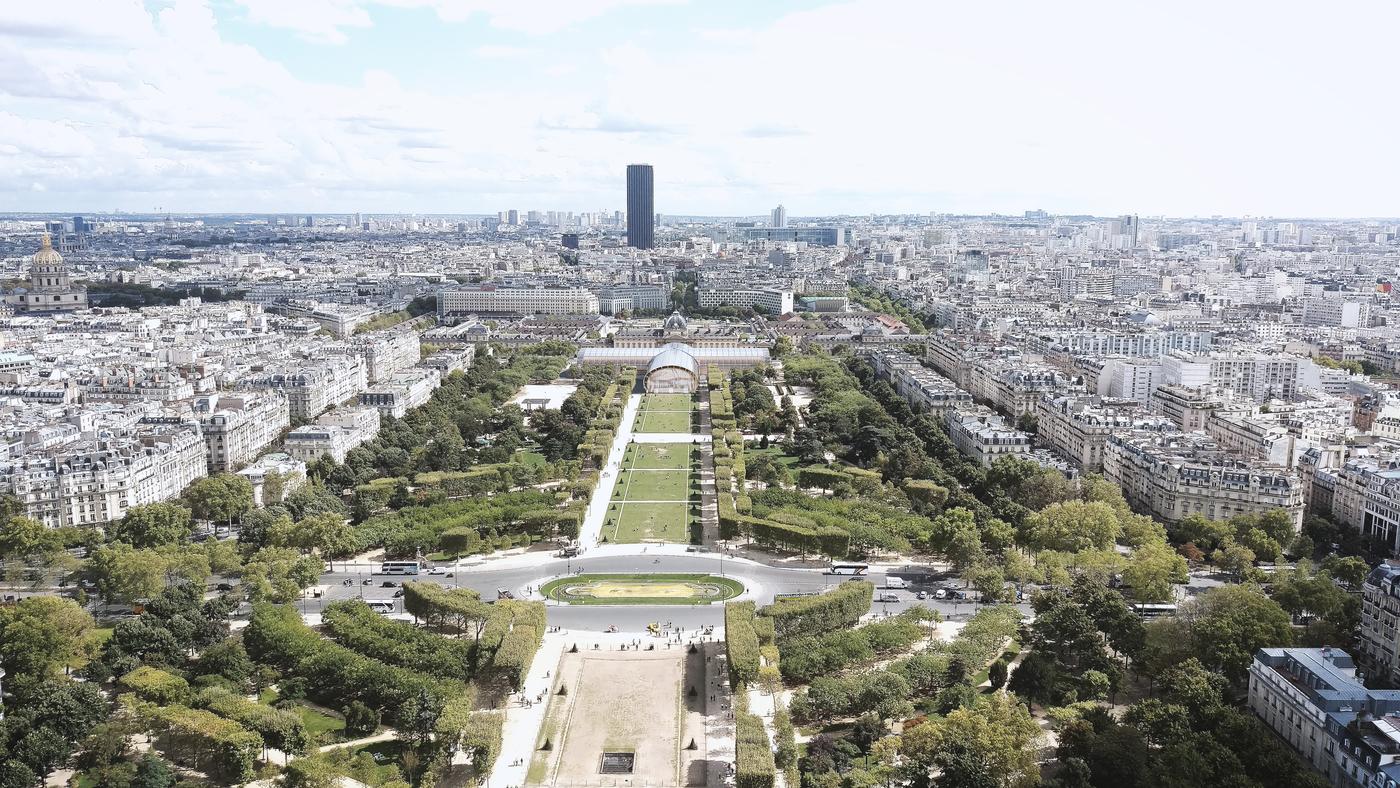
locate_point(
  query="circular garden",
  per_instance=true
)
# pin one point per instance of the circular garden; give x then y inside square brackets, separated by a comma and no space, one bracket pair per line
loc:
[642,589]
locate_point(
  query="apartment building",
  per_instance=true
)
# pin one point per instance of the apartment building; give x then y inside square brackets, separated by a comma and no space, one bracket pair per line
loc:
[383,352]
[1170,475]
[1377,639]
[1314,700]
[1336,311]
[983,436]
[402,392]
[313,386]
[1125,378]
[458,303]
[1188,407]
[1077,427]
[1011,385]
[97,478]
[774,302]
[290,472]
[924,389]
[633,298]
[238,427]
[1259,376]
[1362,491]
[334,433]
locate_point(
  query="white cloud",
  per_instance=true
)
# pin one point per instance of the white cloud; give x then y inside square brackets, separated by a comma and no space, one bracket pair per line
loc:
[876,105]
[315,20]
[501,52]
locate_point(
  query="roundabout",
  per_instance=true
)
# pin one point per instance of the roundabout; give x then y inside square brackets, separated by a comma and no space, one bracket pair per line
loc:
[641,589]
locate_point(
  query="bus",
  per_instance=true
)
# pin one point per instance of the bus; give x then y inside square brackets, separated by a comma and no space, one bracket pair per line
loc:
[1154,609]
[381,606]
[399,568]
[858,570]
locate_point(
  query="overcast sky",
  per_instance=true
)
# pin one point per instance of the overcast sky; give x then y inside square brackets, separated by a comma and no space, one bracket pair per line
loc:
[1178,108]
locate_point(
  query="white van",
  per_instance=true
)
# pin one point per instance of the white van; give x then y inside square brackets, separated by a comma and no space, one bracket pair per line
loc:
[895,582]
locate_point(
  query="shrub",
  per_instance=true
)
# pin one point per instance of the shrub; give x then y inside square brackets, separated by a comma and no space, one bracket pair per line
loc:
[839,608]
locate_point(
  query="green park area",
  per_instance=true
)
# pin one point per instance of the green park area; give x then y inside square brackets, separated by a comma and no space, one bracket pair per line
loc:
[664,413]
[652,500]
[642,589]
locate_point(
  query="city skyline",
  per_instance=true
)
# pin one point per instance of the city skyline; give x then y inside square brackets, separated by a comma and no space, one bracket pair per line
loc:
[412,107]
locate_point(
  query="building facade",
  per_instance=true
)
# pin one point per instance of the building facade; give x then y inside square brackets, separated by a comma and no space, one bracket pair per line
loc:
[641,206]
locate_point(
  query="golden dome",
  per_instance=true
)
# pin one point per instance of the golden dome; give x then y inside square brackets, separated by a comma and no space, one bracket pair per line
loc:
[47,255]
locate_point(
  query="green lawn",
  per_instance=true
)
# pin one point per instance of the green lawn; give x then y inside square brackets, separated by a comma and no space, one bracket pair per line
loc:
[775,452]
[663,421]
[316,722]
[668,402]
[657,486]
[638,522]
[658,456]
[665,585]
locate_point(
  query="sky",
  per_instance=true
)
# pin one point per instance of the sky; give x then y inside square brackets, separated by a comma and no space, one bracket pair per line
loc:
[1178,108]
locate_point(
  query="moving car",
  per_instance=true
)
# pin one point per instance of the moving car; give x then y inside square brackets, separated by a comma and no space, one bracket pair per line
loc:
[941,593]
[888,597]
[923,595]
[437,570]
[388,584]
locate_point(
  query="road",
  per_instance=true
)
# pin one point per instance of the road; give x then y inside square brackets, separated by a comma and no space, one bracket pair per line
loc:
[762,581]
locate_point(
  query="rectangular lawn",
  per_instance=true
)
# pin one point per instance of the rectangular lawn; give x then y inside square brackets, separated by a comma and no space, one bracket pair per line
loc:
[657,486]
[653,522]
[663,421]
[667,402]
[659,456]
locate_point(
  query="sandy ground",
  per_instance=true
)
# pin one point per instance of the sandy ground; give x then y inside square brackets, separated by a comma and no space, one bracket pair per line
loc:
[555,393]
[633,701]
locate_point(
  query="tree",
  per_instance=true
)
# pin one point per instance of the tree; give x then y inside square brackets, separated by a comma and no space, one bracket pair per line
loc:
[1226,625]
[42,635]
[1151,571]
[224,496]
[125,573]
[360,719]
[459,541]
[988,581]
[1233,558]
[990,744]
[24,539]
[996,674]
[153,772]
[278,574]
[153,525]
[1072,526]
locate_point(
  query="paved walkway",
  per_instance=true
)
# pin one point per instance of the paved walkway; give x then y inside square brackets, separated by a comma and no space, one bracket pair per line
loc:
[522,725]
[597,510]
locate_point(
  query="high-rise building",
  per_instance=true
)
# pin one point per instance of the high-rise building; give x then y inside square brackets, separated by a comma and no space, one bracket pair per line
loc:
[778,217]
[512,217]
[79,226]
[641,207]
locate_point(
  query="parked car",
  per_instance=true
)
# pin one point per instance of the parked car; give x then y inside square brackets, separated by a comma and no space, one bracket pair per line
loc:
[224,586]
[888,597]
[437,570]
[941,593]
[388,584]
[923,595]
[398,593]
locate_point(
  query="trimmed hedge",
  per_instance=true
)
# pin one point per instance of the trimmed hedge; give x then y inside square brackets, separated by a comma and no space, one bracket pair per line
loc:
[513,633]
[279,729]
[813,615]
[439,606]
[753,754]
[221,748]
[157,686]
[354,625]
[741,641]
[336,675]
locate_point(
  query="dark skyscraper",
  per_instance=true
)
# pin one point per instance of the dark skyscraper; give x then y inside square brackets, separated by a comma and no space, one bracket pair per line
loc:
[641,207]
